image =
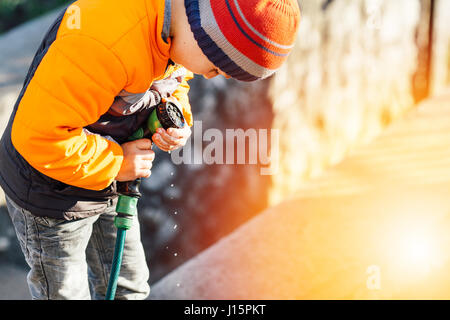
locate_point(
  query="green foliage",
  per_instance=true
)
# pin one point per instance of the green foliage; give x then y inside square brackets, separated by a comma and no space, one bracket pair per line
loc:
[15,12]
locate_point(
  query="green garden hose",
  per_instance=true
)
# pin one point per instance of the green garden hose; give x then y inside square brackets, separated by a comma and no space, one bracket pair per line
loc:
[126,210]
[166,115]
[117,261]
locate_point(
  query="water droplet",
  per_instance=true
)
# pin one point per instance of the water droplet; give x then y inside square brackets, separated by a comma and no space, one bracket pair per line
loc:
[171,173]
[171,185]
[175,254]
[176,212]
[178,284]
[175,226]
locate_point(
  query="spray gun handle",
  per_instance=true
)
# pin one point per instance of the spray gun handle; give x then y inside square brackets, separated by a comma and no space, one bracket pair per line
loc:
[167,114]
[129,188]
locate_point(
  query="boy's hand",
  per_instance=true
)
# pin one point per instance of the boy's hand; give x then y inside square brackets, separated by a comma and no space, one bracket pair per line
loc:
[172,138]
[137,160]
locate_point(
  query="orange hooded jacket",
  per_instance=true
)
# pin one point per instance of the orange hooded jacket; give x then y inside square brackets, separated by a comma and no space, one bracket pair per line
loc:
[102,48]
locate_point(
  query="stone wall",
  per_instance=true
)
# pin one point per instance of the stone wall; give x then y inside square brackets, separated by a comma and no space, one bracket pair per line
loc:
[441,58]
[349,77]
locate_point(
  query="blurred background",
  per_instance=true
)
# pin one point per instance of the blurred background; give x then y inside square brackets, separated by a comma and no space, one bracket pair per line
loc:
[357,66]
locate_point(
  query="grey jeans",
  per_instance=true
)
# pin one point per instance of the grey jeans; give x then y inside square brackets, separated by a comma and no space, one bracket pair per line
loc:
[72,259]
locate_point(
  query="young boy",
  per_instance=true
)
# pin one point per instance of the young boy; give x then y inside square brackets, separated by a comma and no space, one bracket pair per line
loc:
[90,86]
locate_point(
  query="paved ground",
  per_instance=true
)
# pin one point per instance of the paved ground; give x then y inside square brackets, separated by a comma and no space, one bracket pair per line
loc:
[13,283]
[375,226]
[13,268]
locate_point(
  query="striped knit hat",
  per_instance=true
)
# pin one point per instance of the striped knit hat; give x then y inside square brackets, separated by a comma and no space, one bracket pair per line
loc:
[246,39]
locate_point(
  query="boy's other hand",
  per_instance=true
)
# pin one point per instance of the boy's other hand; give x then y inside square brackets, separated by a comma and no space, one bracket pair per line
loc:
[172,138]
[137,160]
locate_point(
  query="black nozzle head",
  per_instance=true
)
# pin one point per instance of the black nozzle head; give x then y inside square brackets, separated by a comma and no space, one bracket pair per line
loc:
[170,115]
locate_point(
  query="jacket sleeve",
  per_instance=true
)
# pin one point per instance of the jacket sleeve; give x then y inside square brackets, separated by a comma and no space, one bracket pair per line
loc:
[182,95]
[73,86]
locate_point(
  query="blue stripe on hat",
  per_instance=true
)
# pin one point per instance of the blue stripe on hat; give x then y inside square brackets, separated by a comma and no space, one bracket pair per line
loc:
[210,48]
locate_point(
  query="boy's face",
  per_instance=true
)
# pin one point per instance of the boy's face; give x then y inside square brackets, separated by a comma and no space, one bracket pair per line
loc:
[186,52]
